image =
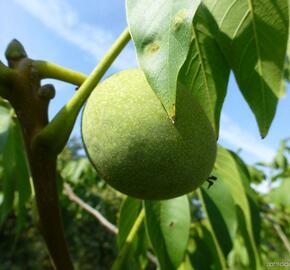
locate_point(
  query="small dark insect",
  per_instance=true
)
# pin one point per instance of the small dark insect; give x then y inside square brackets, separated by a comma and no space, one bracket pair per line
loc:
[211,180]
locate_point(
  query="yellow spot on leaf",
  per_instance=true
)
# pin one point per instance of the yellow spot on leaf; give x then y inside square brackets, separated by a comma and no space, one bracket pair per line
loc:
[179,19]
[152,47]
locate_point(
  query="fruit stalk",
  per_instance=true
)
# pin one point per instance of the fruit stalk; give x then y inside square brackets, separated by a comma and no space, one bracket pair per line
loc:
[118,264]
[49,70]
[66,117]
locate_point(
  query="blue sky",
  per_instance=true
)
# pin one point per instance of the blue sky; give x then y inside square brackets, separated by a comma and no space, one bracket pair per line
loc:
[77,33]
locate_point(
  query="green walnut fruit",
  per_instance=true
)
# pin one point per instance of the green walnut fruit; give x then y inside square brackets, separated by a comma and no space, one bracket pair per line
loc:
[136,147]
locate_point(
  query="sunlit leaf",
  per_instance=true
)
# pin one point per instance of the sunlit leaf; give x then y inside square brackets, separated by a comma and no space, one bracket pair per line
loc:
[128,214]
[162,38]
[5,119]
[221,213]
[206,70]
[16,173]
[254,39]
[251,195]
[168,225]
[208,235]
[228,168]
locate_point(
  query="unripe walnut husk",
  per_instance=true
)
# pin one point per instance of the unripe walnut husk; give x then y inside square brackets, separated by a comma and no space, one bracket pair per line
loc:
[137,148]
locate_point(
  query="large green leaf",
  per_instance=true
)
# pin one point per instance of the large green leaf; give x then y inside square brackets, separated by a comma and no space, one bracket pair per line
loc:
[251,195]
[8,184]
[128,214]
[228,168]
[5,119]
[168,224]
[202,250]
[162,31]
[136,255]
[287,61]
[221,213]
[254,39]
[206,71]
[15,172]
[209,236]
[133,251]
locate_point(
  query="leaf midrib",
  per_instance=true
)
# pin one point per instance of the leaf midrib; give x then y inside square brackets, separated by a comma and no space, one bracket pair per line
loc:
[259,64]
[202,65]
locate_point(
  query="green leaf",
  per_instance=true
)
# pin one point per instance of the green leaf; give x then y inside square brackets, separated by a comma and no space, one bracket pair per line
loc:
[202,249]
[280,160]
[287,61]
[5,119]
[228,168]
[280,195]
[168,224]
[251,195]
[22,176]
[8,197]
[16,174]
[162,31]
[206,71]
[209,236]
[128,214]
[8,183]
[221,213]
[186,264]
[254,39]
[126,258]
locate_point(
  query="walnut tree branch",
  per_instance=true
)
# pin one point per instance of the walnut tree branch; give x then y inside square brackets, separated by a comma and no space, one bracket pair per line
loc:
[30,101]
[73,197]
[282,236]
[107,224]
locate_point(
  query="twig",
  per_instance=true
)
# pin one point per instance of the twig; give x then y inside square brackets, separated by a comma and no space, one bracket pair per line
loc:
[107,224]
[73,197]
[282,236]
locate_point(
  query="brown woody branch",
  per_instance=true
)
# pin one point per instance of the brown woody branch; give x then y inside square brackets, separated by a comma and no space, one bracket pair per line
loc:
[107,224]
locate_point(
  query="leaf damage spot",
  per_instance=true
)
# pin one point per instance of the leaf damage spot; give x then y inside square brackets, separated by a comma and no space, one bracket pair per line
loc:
[179,19]
[152,47]
[171,224]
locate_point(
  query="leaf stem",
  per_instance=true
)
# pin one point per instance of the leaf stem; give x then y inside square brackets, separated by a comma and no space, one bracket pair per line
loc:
[118,264]
[57,132]
[47,70]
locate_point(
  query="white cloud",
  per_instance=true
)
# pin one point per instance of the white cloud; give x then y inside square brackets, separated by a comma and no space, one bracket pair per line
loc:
[233,134]
[64,20]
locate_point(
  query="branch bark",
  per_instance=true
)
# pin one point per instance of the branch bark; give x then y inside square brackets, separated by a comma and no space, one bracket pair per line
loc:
[282,236]
[107,224]
[73,197]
